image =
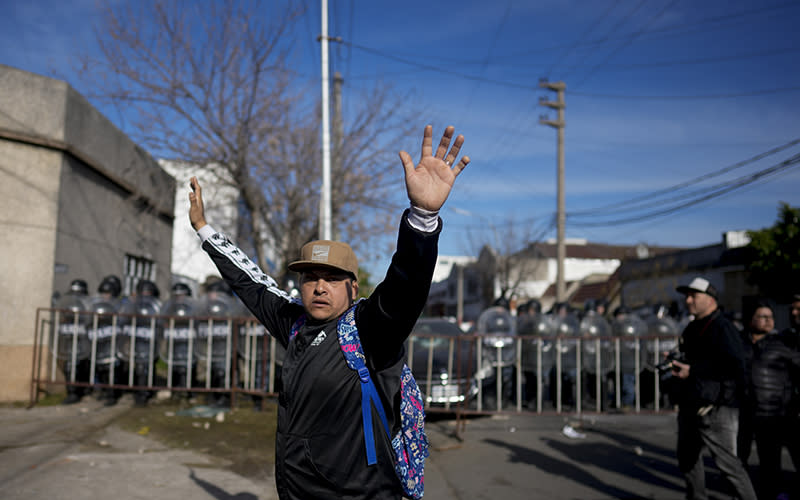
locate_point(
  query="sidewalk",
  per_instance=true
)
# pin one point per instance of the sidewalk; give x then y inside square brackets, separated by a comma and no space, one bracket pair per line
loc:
[77,452]
[74,452]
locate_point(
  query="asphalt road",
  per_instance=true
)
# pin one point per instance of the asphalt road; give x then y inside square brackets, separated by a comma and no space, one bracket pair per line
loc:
[78,452]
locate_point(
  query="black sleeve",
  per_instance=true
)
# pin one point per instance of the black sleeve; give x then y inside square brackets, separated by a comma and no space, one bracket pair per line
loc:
[273,307]
[387,317]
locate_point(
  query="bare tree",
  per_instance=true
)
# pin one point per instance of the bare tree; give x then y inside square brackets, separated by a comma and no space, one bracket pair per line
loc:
[210,84]
[504,262]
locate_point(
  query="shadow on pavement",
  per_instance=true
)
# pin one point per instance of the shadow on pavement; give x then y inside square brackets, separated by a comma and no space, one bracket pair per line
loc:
[607,456]
[217,492]
[562,468]
[715,481]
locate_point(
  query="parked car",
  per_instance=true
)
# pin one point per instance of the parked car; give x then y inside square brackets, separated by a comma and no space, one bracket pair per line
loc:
[439,340]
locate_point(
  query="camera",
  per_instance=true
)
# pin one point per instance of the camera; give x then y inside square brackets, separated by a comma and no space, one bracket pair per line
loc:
[666,365]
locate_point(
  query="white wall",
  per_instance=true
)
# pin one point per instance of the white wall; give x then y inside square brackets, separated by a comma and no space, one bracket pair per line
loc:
[188,258]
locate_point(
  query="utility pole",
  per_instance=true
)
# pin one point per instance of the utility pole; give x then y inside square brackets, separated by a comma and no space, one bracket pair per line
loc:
[460,296]
[559,125]
[325,196]
[338,135]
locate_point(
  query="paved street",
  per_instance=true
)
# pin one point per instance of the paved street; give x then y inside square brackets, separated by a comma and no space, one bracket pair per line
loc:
[44,454]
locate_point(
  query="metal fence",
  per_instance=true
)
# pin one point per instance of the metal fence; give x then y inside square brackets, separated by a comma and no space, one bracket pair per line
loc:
[235,355]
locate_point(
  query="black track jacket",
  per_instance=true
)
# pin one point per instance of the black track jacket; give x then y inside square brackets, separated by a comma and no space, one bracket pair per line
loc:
[320,451]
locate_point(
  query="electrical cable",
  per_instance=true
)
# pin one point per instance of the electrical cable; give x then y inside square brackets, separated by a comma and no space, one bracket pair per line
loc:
[614,29]
[626,42]
[695,180]
[568,50]
[751,93]
[727,188]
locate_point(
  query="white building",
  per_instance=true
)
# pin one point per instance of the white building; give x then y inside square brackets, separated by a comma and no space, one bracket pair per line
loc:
[190,264]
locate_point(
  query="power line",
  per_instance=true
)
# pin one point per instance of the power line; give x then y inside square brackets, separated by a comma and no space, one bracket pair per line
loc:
[732,95]
[572,47]
[614,29]
[750,93]
[626,42]
[718,191]
[665,29]
[489,52]
[706,60]
[671,189]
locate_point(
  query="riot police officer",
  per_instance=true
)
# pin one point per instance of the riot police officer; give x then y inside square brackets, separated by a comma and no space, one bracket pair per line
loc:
[214,339]
[71,342]
[629,327]
[532,325]
[597,360]
[566,327]
[179,333]
[497,328]
[664,333]
[140,335]
[102,329]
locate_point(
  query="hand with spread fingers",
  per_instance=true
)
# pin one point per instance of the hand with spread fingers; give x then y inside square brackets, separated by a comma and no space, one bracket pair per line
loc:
[197,214]
[429,183]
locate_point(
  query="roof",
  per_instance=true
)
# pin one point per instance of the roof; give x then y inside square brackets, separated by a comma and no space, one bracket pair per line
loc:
[692,259]
[601,251]
[595,291]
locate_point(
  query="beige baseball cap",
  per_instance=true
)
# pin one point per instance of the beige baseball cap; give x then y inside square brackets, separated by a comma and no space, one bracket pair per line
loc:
[325,253]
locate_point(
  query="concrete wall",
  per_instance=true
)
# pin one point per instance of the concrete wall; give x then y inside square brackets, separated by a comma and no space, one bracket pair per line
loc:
[76,196]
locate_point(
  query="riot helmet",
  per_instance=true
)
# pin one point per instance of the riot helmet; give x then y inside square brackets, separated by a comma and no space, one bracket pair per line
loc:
[110,285]
[78,287]
[181,289]
[502,302]
[218,286]
[147,288]
[621,311]
[534,306]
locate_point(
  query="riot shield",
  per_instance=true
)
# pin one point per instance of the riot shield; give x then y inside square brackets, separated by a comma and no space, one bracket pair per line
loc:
[140,331]
[179,328]
[538,356]
[496,329]
[629,330]
[179,332]
[214,330]
[597,347]
[663,332]
[104,330]
[261,356]
[70,342]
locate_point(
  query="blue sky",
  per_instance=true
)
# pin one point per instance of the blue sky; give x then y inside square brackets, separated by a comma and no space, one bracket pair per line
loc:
[659,93]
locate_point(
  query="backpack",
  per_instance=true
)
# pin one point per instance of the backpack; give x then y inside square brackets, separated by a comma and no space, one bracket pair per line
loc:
[410,444]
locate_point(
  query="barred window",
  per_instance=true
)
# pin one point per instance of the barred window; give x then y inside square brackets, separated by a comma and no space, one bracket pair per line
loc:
[136,269]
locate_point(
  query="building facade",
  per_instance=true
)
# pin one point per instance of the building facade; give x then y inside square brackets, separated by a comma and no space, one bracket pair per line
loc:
[78,200]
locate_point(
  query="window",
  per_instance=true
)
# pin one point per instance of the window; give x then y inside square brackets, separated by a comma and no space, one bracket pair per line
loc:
[137,269]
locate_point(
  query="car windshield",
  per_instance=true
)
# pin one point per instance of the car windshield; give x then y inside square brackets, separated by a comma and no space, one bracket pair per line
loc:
[438,327]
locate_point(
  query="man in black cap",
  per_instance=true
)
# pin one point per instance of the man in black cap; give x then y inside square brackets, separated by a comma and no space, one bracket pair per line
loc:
[320,444]
[711,382]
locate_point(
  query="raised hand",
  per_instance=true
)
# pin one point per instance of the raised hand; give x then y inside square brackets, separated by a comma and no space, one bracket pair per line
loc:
[429,183]
[197,215]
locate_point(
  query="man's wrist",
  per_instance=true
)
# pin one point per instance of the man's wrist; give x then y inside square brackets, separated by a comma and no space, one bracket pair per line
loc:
[423,220]
[205,232]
